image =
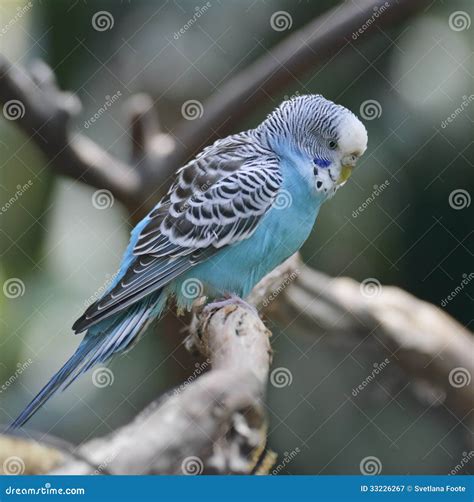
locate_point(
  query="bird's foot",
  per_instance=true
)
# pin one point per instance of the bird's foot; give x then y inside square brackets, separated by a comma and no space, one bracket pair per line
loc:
[230,300]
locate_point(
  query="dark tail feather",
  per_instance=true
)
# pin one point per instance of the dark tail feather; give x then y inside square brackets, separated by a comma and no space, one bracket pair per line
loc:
[101,342]
[63,376]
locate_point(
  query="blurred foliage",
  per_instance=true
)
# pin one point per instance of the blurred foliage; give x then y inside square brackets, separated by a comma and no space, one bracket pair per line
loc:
[63,249]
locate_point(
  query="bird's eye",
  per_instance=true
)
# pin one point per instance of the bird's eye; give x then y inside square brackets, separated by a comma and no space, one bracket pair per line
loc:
[332,144]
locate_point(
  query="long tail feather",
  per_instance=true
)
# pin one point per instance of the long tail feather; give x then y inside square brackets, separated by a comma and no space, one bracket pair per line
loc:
[98,346]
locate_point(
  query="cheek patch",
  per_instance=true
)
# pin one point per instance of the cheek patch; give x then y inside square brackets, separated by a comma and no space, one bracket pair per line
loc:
[321,162]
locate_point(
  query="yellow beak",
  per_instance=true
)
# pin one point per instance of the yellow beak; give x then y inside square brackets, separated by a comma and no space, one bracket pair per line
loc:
[346,171]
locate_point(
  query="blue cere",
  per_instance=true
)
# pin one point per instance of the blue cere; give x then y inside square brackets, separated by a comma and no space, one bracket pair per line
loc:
[321,162]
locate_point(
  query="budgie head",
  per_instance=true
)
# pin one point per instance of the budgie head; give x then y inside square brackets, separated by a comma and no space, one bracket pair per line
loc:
[324,140]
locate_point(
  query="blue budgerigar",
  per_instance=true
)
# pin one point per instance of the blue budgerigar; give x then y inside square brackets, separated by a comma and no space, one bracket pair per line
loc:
[236,211]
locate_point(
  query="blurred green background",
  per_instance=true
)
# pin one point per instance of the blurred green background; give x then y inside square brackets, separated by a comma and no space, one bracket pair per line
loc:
[63,249]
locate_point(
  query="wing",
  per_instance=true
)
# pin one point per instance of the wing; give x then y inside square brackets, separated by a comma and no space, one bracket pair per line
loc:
[217,201]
